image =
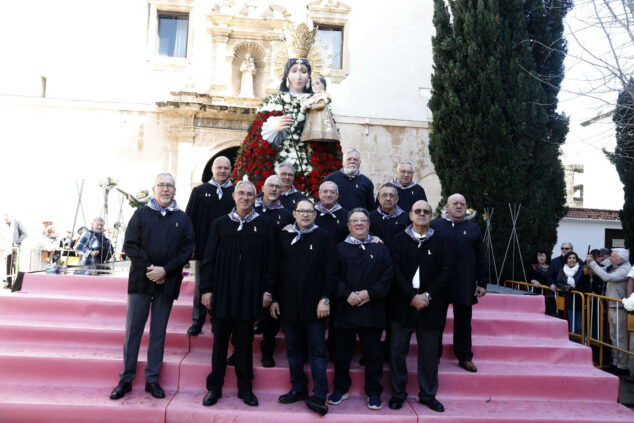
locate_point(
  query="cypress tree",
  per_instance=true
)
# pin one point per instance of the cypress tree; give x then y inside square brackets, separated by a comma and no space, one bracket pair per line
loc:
[623,158]
[491,138]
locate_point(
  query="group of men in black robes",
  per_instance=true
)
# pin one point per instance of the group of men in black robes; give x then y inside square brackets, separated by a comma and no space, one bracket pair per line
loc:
[277,258]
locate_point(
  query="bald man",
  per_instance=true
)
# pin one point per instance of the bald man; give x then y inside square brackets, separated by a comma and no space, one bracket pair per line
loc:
[207,202]
[463,240]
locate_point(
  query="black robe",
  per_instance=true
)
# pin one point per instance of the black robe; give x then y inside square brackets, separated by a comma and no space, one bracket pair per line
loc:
[407,197]
[386,229]
[289,201]
[463,241]
[337,226]
[278,217]
[203,208]
[359,269]
[307,272]
[154,239]
[238,267]
[353,192]
[434,277]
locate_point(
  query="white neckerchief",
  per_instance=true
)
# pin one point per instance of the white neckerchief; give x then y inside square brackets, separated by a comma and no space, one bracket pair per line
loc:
[324,211]
[236,217]
[570,272]
[300,232]
[398,184]
[219,187]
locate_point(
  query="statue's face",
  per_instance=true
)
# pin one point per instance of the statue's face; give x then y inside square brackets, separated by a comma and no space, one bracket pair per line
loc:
[317,87]
[297,78]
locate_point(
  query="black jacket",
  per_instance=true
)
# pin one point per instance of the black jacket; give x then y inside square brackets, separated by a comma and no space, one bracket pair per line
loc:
[434,278]
[353,192]
[154,239]
[337,225]
[386,229]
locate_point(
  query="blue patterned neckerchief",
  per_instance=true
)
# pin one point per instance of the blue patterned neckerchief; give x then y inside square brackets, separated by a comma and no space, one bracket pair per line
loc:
[354,241]
[154,205]
[396,213]
[259,202]
[410,231]
[293,190]
[323,210]
[301,232]
[219,187]
[398,184]
[236,217]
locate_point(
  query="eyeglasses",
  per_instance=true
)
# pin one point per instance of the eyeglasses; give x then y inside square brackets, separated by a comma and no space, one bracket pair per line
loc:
[274,186]
[423,211]
[245,194]
[406,172]
[290,175]
[388,195]
[565,248]
[163,186]
[305,212]
[359,221]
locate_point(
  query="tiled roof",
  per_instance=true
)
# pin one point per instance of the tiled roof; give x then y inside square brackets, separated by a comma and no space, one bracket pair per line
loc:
[578,213]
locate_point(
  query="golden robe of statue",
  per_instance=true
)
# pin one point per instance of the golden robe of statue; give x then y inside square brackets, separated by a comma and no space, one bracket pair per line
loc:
[319,126]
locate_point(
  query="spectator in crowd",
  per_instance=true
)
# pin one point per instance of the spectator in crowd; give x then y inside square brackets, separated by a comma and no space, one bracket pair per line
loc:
[409,191]
[463,240]
[93,245]
[355,189]
[604,259]
[616,287]
[289,195]
[556,264]
[49,245]
[365,276]
[207,202]
[422,271]
[596,284]
[236,281]
[330,215]
[307,274]
[538,275]
[67,241]
[269,207]
[6,238]
[569,278]
[159,241]
[630,283]
[17,233]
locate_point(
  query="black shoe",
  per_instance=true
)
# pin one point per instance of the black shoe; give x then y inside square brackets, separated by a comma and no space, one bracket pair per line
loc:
[433,404]
[293,396]
[268,362]
[211,398]
[231,360]
[155,389]
[318,405]
[194,329]
[395,403]
[248,398]
[122,388]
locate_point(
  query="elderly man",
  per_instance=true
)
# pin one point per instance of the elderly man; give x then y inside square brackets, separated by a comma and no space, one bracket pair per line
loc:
[463,240]
[355,189]
[159,241]
[307,273]
[17,233]
[237,277]
[207,202]
[422,271]
[290,196]
[330,215]
[616,287]
[93,245]
[409,191]
[365,276]
[388,219]
[269,206]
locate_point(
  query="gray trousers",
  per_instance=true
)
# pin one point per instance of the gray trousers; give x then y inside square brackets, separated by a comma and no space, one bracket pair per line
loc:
[199,311]
[427,340]
[138,310]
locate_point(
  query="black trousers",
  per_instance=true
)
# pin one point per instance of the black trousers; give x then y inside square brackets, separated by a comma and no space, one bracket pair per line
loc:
[427,361]
[461,331]
[270,328]
[370,339]
[199,311]
[241,334]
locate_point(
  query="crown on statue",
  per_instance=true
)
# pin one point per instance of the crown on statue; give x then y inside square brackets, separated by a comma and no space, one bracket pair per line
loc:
[299,40]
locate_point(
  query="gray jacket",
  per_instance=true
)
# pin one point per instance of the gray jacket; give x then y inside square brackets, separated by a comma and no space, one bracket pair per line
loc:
[615,281]
[19,233]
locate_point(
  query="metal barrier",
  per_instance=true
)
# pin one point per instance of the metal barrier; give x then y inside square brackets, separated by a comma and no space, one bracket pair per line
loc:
[561,300]
[620,318]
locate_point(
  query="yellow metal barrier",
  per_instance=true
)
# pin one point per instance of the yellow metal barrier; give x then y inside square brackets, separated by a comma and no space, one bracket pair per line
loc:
[600,303]
[561,299]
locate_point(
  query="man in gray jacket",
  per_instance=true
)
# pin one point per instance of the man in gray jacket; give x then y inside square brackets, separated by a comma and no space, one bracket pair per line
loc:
[616,287]
[18,233]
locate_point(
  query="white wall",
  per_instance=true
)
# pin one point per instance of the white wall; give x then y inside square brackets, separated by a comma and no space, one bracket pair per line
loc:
[581,233]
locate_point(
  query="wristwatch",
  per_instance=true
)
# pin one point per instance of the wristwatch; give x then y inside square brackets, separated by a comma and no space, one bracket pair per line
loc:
[326,300]
[426,294]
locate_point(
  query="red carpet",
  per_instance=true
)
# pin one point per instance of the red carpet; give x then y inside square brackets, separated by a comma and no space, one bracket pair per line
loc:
[61,353]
